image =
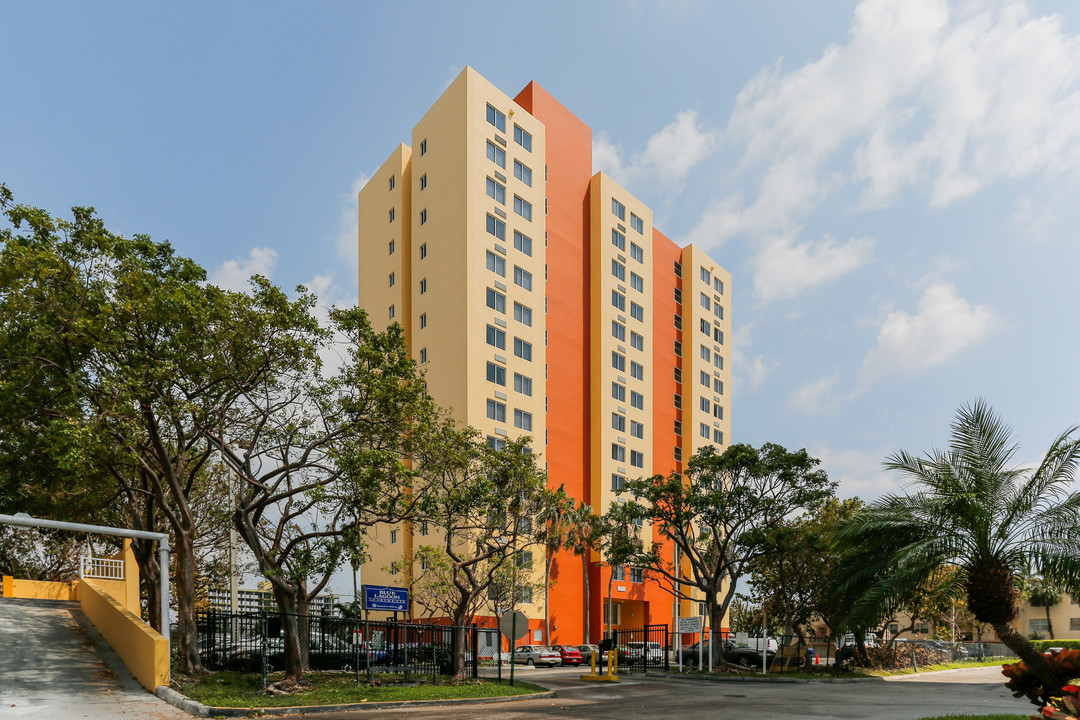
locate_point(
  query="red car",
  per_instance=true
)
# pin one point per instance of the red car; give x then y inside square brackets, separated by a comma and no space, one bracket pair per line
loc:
[570,655]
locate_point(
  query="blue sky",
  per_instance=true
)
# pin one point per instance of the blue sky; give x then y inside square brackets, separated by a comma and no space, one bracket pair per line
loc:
[891,184]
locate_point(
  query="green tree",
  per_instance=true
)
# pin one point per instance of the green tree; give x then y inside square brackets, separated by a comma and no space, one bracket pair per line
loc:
[479,504]
[551,534]
[1045,594]
[620,543]
[583,530]
[971,507]
[719,514]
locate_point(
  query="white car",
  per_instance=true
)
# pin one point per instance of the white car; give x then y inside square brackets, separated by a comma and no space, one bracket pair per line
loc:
[537,655]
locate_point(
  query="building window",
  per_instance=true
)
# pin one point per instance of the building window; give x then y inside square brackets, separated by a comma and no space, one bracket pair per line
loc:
[718,336]
[423,148]
[392,214]
[678,401]
[524,594]
[618,270]
[705,430]
[424,528]
[392,247]
[618,452]
[618,422]
[522,278]
[706,302]
[705,378]
[496,374]
[496,118]
[718,310]
[423,320]
[393,536]
[496,191]
[637,312]
[678,427]
[637,575]
[423,251]
[423,286]
[718,411]
[523,173]
[706,327]
[423,182]
[496,443]
[637,253]
[496,337]
[618,331]
[523,349]
[637,223]
[523,243]
[496,227]
[618,300]
[391,182]
[618,482]
[391,312]
[637,370]
[618,209]
[637,400]
[523,420]
[706,354]
[678,322]
[718,286]
[618,361]
[706,277]
[718,386]
[496,264]
[496,301]
[618,240]
[391,279]
[618,391]
[637,459]
[678,454]
[423,216]
[637,429]
[523,384]
[523,208]
[637,341]
[718,361]
[678,375]
[677,268]
[496,154]
[522,314]
[704,404]
[522,138]
[678,296]
[423,355]
[637,282]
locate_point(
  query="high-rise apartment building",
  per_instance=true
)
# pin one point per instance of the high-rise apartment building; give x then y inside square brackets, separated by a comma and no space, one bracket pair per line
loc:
[540,300]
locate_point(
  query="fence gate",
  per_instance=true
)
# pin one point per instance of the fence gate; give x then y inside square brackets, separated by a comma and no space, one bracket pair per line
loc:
[643,649]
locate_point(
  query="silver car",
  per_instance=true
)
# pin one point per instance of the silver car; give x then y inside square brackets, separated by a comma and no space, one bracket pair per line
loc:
[537,655]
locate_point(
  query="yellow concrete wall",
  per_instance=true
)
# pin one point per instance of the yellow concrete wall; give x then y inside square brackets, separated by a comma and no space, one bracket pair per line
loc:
[40,590]
[143,650]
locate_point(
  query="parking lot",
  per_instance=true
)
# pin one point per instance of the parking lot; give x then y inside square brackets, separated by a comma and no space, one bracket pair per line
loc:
[643,697]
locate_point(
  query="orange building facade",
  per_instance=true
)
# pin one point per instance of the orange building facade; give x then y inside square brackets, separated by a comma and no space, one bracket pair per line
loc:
[617,341]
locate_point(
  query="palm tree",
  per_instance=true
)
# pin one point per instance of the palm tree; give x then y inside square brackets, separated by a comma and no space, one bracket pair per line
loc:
[1045,594]
[551,534]
[972,507]
[582,534]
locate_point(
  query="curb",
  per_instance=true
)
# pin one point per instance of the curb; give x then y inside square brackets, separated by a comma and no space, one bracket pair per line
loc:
[197,709]
[772,679]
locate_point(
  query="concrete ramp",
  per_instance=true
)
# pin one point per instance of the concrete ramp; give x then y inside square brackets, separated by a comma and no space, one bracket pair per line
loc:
[54,664]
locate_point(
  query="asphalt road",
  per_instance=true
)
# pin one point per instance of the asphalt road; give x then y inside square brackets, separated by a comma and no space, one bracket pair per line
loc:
[654,698]
[54,665]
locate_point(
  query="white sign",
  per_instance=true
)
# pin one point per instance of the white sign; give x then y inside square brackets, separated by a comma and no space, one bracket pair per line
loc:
[690,624]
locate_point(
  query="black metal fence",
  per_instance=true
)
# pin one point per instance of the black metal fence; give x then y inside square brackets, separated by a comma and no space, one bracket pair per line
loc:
[643,649]
[255,642]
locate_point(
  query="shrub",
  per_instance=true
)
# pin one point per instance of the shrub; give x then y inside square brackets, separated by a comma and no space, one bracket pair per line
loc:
[1023,683]
[1044,645]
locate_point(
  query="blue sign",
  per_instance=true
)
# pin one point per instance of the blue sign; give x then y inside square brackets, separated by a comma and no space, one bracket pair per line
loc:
[379,597]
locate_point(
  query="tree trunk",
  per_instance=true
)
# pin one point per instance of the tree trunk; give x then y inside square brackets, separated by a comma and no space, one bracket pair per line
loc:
[588,610]
[1049,623]
[458,618]
[1035,660]
[610,582]
[716,643]
[286,596]
[187,644]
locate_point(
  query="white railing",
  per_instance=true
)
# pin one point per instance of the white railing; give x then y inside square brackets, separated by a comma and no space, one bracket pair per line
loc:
[101,568]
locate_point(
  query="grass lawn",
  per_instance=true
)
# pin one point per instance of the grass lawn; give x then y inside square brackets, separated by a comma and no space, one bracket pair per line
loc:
[229,689]
[943,666]
[822,674]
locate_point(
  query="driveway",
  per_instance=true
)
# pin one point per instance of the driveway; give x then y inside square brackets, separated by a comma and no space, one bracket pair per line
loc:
[54,664]
[651,697]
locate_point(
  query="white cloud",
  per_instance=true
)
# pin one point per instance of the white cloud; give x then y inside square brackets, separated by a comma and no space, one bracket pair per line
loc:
[330,295]
[235,274]
[668,157]
[944,326]
[817,396]
[347,243]
[921,94]
[784,268]
[859,473]
[748,373]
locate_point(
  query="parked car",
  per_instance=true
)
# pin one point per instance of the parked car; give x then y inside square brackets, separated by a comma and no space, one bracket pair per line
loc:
[570,655]
[537,655]
[736,653]
[632,652]
[587,653]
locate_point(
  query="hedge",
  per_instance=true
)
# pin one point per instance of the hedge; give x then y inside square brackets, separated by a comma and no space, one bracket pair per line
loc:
[1044,645]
